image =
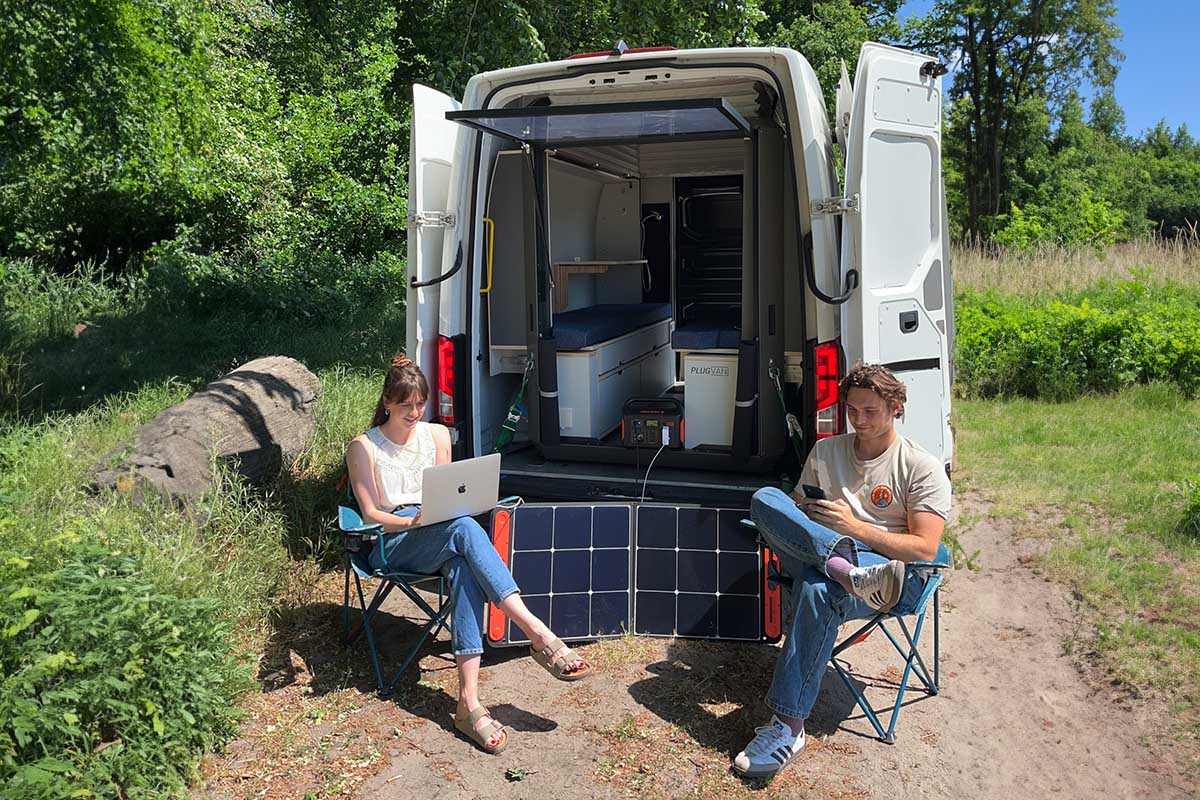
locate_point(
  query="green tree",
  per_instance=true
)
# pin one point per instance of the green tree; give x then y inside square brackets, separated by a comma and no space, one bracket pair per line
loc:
[1011,58]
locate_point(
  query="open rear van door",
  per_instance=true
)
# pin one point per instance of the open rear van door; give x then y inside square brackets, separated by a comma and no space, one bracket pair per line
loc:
[893,234]
[430,159]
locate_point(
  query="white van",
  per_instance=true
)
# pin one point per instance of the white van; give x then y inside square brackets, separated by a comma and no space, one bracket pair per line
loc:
[657,245]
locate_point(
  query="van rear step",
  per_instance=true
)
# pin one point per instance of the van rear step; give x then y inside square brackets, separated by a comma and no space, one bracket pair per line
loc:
[528,474]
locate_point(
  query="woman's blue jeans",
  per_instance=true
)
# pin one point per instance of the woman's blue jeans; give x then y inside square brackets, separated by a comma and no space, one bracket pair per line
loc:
[461,551]
[819,604]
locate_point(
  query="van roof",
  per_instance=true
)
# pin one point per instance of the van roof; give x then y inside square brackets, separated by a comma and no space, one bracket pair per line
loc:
[762,55]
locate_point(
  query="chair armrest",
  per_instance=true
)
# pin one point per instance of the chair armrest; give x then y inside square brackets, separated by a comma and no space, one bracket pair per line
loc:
[941,561]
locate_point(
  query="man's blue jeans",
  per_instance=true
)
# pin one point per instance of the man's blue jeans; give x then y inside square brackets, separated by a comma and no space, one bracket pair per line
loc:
[819,604]
[461,551]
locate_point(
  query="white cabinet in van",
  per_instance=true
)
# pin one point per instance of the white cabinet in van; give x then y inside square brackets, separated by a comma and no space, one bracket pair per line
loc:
[595,382]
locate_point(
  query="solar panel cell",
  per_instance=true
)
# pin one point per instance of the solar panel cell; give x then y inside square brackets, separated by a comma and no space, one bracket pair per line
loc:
[610,526]
[737,573]
[656,570]
[610,570]
[697,571]
[532,528]
[739,617]
[733,535]
[610,613]
[698,528]
[656,613]
[572,526]
[572,571]
[697,615]
[656,527]
[569,615]
[531,571]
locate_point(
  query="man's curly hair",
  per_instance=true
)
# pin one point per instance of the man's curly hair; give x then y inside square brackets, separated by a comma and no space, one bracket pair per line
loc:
[879,379]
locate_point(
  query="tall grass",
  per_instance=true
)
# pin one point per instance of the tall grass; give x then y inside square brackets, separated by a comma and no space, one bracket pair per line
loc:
[981,266]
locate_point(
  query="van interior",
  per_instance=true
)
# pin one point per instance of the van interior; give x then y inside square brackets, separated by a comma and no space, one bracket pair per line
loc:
[643,262]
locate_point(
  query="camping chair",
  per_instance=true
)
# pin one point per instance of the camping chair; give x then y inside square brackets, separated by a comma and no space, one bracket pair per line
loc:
[358,538]
[914,664]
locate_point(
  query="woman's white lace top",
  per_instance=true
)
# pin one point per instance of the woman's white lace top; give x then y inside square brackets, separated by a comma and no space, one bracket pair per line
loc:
[398,467]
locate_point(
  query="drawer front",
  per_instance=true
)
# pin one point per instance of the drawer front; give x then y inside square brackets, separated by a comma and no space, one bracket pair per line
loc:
[631,346]
[658,371]
[611,393]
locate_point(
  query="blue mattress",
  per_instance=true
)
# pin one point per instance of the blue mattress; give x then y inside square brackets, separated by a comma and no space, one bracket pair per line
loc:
[583,327]
[705,335]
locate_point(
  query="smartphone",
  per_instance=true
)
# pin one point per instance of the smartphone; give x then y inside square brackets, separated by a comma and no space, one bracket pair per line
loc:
[813,492]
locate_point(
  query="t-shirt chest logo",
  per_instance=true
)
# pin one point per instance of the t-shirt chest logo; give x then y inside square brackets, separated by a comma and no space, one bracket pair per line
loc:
[881,496]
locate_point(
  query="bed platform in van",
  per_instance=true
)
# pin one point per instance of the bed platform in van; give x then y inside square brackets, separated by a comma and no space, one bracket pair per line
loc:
[583,327]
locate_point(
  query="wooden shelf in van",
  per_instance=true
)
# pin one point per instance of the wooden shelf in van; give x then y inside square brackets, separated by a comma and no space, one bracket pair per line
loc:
[561,270]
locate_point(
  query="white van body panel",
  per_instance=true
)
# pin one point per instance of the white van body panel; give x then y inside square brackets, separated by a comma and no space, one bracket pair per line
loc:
[433,153]
[896,239]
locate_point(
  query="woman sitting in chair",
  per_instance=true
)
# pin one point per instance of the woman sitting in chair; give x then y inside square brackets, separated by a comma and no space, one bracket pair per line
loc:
[386,465]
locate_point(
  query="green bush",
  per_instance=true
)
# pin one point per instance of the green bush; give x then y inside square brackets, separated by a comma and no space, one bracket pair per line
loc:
[108,682]
[1189,523]
[1097,340]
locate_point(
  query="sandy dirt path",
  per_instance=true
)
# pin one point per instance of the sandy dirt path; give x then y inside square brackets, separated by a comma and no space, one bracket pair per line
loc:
[1018,716]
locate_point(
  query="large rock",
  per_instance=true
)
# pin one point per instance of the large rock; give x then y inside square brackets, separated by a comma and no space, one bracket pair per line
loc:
[256,416]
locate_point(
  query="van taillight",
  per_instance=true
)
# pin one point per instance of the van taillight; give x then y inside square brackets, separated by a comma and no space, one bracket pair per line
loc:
[445,379]
[829,410]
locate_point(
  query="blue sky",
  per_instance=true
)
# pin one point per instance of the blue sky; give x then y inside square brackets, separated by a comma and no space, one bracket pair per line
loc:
[1158,78]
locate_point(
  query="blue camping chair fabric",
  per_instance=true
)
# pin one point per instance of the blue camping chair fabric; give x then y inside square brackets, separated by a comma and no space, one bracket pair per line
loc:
[358,538]
[908,650]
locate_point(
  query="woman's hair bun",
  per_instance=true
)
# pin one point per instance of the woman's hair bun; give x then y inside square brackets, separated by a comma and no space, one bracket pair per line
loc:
[401,360]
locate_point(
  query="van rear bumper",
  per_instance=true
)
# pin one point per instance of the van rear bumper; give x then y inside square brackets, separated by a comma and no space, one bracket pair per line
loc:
[528,474]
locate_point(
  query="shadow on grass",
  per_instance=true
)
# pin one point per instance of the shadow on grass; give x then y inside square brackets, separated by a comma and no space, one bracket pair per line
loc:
[120,353]
[714,692]
[314,633]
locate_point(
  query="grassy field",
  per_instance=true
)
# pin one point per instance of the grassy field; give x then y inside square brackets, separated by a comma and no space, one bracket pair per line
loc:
[1110,481]
[1049,270]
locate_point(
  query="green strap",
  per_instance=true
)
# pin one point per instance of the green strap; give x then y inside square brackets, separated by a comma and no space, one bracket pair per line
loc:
[795,432]
[508,428]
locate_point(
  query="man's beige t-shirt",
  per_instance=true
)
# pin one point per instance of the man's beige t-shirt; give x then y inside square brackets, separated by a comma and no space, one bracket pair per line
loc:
[883,490]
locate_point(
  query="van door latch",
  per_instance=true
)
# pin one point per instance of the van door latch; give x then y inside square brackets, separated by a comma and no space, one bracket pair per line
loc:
[432,219]
[836,205]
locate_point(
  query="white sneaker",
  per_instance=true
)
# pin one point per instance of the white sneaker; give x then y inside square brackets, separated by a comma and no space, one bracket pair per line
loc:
[879,586]
[772,748]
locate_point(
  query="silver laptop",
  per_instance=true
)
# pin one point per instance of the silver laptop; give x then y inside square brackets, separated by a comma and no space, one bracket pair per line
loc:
[459,489]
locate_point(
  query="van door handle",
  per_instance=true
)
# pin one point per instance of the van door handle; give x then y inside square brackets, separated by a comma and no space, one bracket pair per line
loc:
[908,321]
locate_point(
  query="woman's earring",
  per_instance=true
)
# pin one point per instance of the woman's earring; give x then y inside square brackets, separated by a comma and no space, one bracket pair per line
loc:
[387,412]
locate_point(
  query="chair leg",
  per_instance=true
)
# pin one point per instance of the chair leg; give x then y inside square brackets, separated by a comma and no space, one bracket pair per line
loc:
[366,627]
[937,643]
[862,701]
[346,607]
[912,657]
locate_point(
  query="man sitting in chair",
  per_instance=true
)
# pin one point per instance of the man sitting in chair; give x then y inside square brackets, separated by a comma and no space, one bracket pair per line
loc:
[886,502]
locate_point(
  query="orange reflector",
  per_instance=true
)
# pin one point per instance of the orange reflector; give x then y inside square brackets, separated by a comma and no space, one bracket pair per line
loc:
[772,624]
[501,526]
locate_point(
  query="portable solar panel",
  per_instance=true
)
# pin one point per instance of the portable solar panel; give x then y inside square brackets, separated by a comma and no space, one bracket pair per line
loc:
[573,565]
[597,571]
[699,574]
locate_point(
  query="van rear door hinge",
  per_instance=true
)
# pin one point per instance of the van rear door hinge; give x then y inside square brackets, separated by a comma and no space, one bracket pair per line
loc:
[836,205]
[432,219]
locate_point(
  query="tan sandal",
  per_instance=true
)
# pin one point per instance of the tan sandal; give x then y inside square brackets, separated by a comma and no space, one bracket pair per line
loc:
[467,727]
[556,656]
